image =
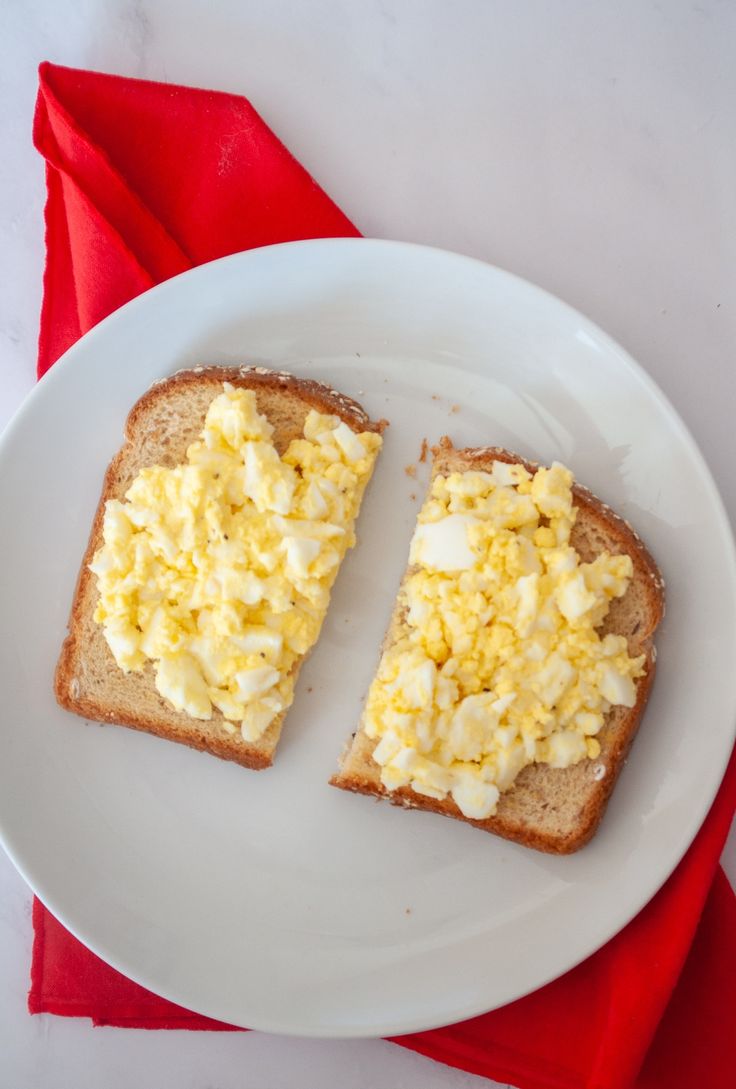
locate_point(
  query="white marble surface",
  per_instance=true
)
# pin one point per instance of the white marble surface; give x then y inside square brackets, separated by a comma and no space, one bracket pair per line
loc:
[588,146]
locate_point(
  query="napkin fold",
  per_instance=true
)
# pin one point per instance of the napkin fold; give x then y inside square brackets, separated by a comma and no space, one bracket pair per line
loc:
[144,181]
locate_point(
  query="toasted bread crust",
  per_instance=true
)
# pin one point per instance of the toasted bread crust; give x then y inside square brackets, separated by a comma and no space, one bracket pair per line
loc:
[313,394]
[87,680]
[552,810]
[218,744]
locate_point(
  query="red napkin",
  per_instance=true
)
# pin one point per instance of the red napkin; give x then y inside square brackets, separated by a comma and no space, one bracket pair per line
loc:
[145,180]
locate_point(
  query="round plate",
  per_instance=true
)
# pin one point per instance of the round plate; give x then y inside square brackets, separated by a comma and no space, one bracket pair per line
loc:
[270,899]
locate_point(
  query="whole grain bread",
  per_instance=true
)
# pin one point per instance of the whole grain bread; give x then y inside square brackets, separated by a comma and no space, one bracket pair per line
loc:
[159,428]
[552,810]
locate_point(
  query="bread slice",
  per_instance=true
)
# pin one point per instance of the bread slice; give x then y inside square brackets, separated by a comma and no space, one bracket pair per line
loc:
[553,810]
[159,428]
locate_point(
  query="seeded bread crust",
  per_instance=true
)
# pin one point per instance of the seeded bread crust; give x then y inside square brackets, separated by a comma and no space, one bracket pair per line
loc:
[160,427]
[550,809]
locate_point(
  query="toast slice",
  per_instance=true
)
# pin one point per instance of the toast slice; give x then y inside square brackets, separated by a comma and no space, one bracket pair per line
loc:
[159,429]
[556,810]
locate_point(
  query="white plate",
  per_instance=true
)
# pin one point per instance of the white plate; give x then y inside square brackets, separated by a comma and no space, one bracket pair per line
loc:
[270,899]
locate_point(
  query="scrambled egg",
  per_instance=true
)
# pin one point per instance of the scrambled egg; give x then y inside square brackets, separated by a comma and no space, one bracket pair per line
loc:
[219,570]
[500,665]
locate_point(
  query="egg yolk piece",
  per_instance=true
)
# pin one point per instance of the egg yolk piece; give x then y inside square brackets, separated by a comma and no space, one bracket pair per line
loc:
[500,663]
[218,571]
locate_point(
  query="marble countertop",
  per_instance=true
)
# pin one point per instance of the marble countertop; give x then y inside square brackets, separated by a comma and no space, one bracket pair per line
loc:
[586,147]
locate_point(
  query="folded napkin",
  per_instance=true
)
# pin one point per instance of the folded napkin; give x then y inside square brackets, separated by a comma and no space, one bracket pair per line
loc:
[145,180]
